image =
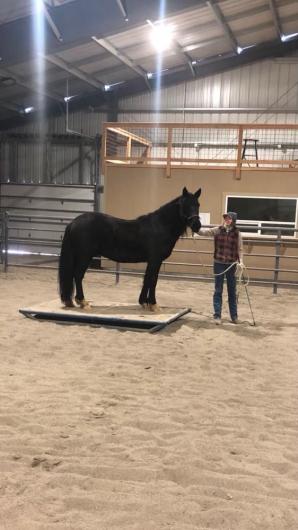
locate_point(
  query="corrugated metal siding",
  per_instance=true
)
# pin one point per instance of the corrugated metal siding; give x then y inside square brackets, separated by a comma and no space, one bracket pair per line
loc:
[87,123]
[29,163]
[270,83]
[65,163]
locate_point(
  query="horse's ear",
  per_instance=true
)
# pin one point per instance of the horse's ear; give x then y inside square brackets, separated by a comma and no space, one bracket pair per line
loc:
[184,192]
[197,193]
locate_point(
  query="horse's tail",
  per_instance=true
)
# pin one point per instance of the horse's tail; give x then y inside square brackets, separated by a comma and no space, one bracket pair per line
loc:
[66,268]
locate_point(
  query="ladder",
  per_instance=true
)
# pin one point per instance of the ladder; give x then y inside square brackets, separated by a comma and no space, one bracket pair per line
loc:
[249,145]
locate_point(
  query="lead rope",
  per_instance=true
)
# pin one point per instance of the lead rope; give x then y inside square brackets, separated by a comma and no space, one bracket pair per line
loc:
[242,280]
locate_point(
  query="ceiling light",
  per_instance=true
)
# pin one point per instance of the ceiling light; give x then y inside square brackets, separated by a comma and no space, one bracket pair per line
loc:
[149,75]
[194,62]
[68,98]
[288,37]
[240,50]
[27,110]
[161,36]
[111,85]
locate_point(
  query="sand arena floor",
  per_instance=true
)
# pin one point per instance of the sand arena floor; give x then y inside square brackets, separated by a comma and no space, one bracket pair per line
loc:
[191,428]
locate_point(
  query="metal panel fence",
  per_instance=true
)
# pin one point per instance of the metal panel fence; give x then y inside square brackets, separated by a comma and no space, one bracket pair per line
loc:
[45,242]
[37,214]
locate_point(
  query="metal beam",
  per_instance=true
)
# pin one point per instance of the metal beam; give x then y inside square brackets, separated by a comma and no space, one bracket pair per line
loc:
[31,85]
[208,67]
[78,20]
[17,109]
[276,19]
[202,110]
[98,100]
[51,22]
[57,61]
[123,8]
[123,58]
[223,24]
[186,57]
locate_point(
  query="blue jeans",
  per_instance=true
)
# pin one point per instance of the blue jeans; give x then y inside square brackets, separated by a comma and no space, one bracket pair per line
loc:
[231,286]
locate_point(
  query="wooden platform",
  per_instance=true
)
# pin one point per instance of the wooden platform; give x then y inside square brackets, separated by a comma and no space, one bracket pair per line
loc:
[115,315]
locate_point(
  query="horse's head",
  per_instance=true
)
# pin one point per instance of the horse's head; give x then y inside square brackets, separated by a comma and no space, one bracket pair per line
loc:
[189,208]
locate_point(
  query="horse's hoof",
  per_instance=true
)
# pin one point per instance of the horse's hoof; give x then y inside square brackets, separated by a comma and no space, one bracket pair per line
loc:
[84,304]
[68,305]
[154,308]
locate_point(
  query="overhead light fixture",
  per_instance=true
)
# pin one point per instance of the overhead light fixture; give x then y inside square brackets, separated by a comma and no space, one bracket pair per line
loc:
[284,38]
[123,9]
[27,110]
[150,75]
[194,62]
[68,98]
[110,86]
[240,50]
[161,36]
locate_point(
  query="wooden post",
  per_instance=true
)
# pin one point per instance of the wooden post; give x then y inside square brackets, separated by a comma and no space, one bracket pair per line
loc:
[239,153]
[128,147]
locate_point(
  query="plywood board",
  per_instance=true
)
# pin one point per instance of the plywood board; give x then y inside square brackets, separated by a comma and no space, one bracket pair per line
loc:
[119,315]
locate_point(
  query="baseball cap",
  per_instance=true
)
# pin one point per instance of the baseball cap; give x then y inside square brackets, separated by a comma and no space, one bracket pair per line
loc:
[232,216]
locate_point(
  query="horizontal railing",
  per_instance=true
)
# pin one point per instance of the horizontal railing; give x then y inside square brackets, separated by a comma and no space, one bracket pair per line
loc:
[263,275]
[238,146]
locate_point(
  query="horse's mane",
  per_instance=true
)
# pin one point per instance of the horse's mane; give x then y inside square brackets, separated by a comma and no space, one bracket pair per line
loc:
[162,209]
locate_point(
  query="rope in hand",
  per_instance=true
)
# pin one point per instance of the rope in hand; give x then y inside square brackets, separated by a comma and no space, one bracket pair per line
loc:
[241,273]
[242,280]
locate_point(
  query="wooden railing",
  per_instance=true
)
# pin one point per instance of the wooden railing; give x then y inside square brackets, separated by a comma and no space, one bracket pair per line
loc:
[217,146]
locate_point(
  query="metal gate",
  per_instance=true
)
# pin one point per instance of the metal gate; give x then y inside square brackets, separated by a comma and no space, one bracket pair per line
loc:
[37,214]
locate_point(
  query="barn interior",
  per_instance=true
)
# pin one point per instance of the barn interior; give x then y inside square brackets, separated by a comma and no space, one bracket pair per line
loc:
[115,106]
[97,97]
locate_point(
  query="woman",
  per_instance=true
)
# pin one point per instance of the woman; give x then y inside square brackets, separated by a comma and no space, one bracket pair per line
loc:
[228,249]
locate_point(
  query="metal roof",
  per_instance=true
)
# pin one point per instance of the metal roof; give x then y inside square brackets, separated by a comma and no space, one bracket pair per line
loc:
[14,9]
[91,44]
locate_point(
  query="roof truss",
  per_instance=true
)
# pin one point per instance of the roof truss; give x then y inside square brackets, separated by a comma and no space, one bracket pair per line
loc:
[223,24]
[104,43]
[276,19]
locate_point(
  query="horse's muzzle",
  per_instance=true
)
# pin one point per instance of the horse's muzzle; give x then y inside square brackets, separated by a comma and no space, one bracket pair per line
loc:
[195,224]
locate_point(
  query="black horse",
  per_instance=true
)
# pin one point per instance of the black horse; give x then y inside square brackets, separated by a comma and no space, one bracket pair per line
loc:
[149,238]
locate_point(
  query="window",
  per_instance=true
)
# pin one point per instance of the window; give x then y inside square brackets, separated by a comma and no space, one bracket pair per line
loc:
[261,215]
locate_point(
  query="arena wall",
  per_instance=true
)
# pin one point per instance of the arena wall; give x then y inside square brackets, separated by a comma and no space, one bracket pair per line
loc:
[133,191]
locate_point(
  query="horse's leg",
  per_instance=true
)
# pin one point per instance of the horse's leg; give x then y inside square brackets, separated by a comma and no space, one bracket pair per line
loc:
[147,296]
[152,287]
[79,274]
[143,298]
